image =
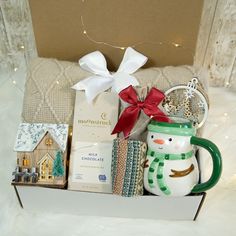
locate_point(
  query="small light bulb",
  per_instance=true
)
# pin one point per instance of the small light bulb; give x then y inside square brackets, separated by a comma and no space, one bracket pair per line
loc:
[177,45]
[122,48]
[227,83]
[57,82]
[225,114]
[14,82]
[70,133]
[85,32]
[22,47]
[15,69]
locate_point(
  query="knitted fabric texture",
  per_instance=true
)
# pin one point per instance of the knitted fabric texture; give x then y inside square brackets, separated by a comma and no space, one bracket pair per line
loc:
[49,97]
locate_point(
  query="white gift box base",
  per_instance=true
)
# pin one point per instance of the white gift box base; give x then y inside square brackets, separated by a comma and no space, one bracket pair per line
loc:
[41,199]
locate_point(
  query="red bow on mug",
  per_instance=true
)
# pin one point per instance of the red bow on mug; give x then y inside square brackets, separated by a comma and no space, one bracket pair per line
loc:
[130,114]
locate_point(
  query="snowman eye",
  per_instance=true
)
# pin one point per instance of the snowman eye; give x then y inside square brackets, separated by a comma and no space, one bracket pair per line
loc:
[152,136]
[170,139]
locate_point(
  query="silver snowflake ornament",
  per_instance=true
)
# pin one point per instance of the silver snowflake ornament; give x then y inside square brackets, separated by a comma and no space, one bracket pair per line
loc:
[189,93]
[201,104]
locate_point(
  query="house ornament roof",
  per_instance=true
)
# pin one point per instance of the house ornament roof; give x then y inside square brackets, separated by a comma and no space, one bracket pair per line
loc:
[29,135]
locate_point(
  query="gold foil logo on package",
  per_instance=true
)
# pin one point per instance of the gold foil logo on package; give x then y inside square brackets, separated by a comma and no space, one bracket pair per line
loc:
[104,116]
[102,122]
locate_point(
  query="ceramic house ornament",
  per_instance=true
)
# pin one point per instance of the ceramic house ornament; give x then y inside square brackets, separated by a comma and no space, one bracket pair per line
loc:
[41,154]
[171,167]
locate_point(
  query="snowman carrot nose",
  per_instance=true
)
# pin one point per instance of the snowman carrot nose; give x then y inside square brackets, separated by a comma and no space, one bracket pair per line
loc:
[159,141]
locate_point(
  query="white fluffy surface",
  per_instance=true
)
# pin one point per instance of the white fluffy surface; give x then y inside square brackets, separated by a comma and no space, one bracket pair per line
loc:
[217,216]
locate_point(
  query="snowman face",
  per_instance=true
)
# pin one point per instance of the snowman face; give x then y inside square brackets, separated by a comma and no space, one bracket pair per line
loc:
[168,143]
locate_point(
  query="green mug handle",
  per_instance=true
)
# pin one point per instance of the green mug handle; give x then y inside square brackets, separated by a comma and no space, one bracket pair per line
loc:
[217,163]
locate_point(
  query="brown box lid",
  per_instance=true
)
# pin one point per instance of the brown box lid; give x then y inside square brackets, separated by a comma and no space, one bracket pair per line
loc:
[151,26]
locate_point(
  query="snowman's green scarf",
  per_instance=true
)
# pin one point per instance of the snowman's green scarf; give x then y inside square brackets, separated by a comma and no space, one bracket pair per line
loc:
[158,163]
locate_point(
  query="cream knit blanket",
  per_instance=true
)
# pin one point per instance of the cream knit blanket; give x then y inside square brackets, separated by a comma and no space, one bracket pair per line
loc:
[50,99]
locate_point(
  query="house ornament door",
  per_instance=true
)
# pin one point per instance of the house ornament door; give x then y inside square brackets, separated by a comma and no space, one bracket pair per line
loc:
[46,166]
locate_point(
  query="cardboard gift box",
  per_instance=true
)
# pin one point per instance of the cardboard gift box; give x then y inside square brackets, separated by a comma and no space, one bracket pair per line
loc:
[97,204]
[165,31]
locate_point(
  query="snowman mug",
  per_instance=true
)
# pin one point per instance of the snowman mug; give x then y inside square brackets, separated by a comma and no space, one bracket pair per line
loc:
[171,168]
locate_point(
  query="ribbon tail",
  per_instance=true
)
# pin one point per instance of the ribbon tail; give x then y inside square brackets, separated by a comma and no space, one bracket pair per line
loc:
[122,81]
[127,121]
[93,86]
[161,116]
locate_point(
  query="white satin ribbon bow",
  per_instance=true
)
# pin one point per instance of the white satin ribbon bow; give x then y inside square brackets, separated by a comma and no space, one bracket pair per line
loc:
[103,79]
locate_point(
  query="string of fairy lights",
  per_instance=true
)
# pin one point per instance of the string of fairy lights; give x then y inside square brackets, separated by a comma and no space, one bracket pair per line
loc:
[22,49]
[86,33]
[160,43]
